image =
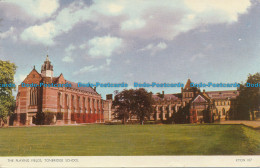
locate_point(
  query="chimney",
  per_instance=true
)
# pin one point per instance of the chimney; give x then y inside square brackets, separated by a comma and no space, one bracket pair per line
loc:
[203,90]
[94,88]
[109,97]
[162,92]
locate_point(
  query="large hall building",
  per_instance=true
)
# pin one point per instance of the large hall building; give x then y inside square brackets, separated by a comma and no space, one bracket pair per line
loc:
[69,105]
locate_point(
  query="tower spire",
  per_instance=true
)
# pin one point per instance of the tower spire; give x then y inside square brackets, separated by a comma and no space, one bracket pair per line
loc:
[47,68]
[47,58]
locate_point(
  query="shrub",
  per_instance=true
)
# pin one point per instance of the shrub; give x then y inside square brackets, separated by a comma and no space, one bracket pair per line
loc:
[59,116]
[23,118]
[48,118]
[13,117]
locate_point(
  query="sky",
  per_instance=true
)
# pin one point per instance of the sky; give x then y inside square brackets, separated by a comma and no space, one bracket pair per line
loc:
[140,41]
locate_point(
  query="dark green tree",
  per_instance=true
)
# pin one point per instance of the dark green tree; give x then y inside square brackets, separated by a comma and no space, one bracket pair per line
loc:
[132,102]
[142,106]
[7,101]
[123,105]
[248,100]
[180,117]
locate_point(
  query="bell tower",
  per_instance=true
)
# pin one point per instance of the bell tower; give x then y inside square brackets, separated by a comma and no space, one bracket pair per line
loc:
[47,68]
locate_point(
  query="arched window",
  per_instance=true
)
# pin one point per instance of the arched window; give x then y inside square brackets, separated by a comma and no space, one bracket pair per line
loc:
[84,104]
[72,102]
[33,96]
[67,98]
[223,111]
[90,104]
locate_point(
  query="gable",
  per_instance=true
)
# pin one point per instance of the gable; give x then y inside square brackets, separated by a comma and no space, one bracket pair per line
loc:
[199,99]
[61,79]
[33,77]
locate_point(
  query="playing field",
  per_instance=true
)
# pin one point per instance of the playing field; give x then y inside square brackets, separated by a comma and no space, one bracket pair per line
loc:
[117,140]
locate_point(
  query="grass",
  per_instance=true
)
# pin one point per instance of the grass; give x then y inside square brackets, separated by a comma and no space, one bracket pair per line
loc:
[125,140]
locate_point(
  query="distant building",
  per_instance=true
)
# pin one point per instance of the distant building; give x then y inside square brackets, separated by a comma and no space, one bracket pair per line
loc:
[214,105]
[68,104]
[202,106]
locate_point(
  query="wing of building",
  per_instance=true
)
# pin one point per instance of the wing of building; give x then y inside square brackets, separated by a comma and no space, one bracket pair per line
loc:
[65,105]
[202,106]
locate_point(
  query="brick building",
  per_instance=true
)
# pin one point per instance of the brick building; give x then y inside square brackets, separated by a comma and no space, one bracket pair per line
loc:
[68,105]
[216,105]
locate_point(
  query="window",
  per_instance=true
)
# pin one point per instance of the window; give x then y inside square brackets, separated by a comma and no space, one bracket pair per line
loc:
[223,111]
[67,98]
[59,100]
[84,104]
[33,96]
[79,103]
[72,102]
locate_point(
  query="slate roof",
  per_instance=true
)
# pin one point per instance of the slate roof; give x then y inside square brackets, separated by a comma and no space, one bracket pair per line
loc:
[73,85]
[85,89]
[231,94]
[168,96]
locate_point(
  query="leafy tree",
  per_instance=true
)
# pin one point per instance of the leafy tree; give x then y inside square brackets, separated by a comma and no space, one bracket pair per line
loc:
[132,102]
[142,106]
[7,102]
[180,116]
[249,98]
[123,105]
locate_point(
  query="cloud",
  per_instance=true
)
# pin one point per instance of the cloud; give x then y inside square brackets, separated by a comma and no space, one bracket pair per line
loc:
[151,20]
[68,52]
[104,46]
[155,48]
[9,34]
[108,61]
[161,46]
[83,46]
[67,59]
[197,56]
[165,20]
[90,68]
[40,33]
[36,8]
[133,24]
[65,20]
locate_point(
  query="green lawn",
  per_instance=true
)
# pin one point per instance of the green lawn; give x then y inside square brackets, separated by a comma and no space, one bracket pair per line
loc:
[129,140]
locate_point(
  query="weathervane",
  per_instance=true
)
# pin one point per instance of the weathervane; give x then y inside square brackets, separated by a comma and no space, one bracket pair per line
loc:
[47,50]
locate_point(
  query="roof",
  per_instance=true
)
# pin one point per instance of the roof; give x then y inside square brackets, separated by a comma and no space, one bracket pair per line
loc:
[197,98]
[231,94]
[175,96]
[187,86]
[85,89]
[74,85]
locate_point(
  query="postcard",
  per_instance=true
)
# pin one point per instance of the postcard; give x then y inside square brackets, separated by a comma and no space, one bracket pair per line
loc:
[117,83]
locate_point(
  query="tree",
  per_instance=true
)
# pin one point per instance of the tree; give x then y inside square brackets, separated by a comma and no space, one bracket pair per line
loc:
[123,105]
[180,117]
[249,98]
[132,102]
[7,102]
[142,106]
